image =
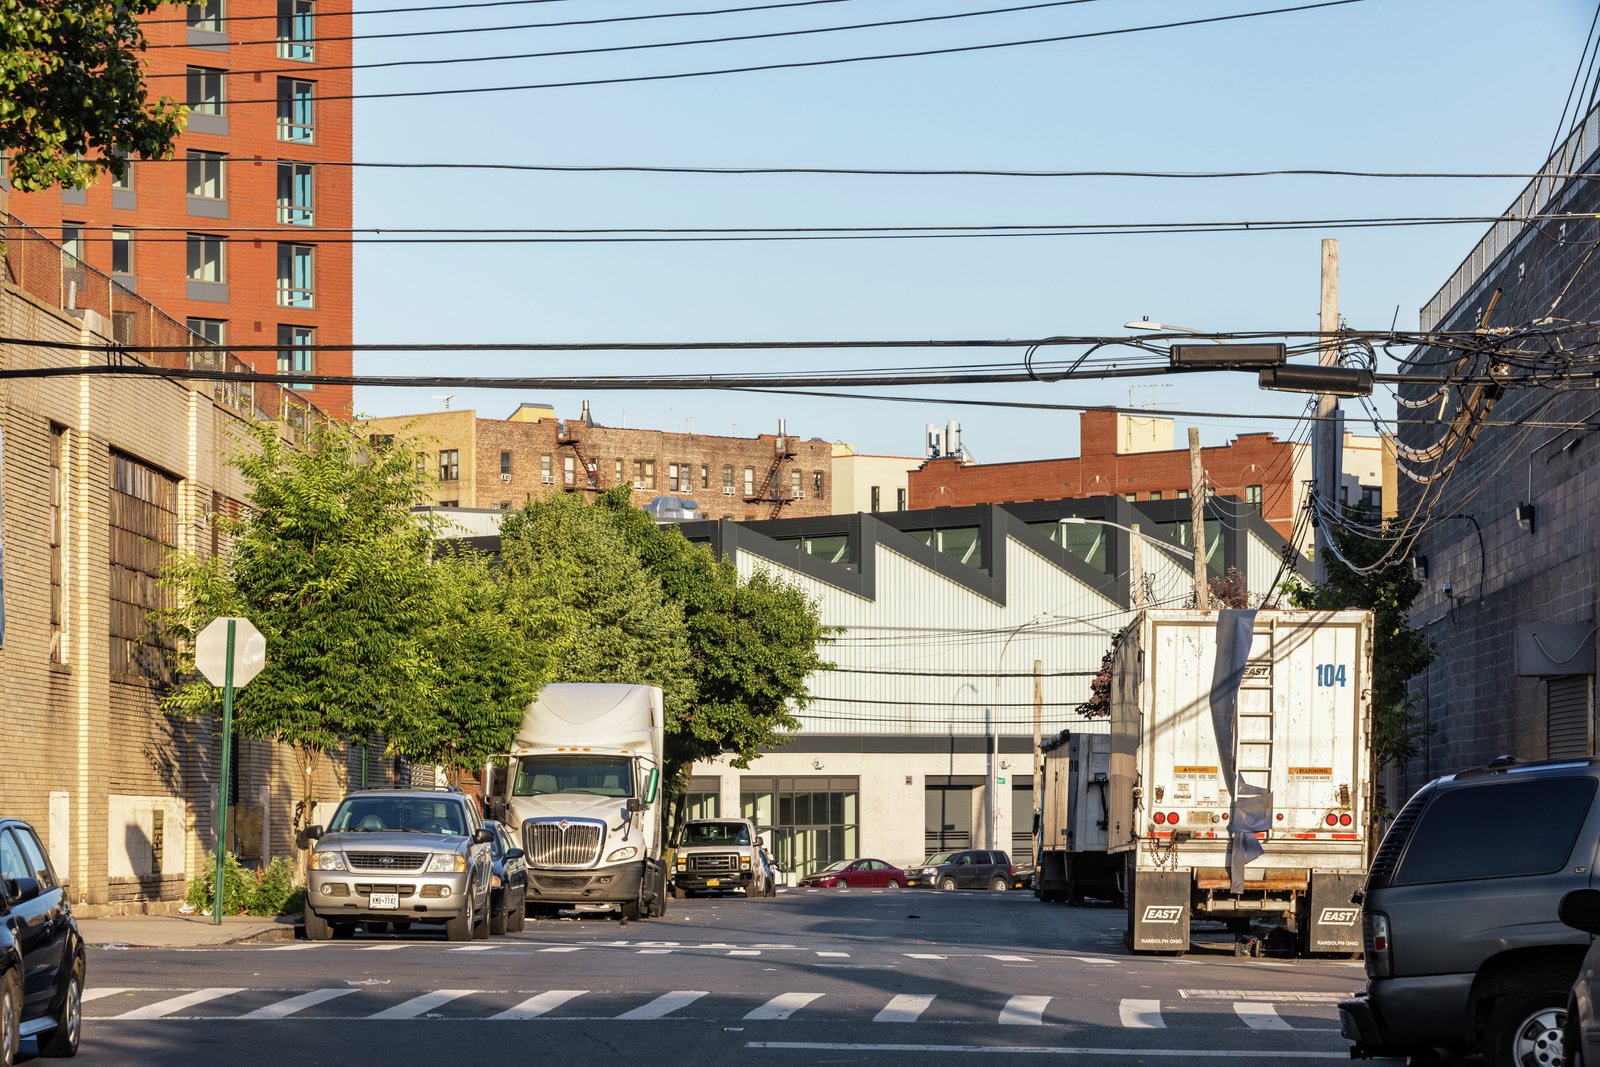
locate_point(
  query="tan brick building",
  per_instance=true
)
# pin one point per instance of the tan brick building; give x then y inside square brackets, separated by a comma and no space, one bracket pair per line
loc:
[100,477]
[504,463]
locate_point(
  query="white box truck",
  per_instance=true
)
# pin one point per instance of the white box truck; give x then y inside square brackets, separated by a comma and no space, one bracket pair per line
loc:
[1075,820]
[581,789]
[1240,764]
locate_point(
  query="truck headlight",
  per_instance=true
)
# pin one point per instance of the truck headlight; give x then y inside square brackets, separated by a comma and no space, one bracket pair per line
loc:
[683,861]
[744,861]
[446,863]
[329,861]
[626,852]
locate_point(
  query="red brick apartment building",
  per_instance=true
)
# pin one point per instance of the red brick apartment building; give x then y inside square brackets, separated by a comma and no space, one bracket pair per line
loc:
[222,236]
[1130,456]
[504,463]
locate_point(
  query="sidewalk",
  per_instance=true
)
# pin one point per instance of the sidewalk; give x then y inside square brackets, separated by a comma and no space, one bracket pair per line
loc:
[182,931]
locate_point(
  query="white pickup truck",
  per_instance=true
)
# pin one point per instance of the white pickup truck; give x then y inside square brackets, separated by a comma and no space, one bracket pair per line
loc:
[718,855]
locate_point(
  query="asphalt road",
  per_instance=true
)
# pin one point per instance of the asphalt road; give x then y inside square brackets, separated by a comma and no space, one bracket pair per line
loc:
[818,977]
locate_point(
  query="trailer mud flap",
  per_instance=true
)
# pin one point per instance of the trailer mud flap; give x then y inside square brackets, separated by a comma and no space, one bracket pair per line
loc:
[1158,911]
[1333,922]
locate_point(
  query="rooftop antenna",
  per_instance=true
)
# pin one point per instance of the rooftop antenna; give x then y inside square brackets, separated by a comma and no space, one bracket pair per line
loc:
[445,398]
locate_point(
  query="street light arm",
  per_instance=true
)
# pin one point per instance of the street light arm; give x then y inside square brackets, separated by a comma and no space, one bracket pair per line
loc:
[1182,553]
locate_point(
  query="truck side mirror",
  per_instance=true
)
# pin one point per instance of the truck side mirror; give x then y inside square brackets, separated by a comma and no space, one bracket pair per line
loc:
[494,778]
[635,804]
[651,784]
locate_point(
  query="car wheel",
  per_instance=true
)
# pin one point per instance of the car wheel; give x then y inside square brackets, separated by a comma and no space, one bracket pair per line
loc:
[10,1017]
[947,882]
[63,1040]
[999,885]
[517,918]
[841,884]
[1526,1028]
[481,921]
[499,918]
[459,926]
[892,884]
[317,928]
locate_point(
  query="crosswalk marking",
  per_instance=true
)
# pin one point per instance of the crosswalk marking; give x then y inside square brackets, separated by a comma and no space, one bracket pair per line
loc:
[384,948]
[925,956]
[563,948]
[1258,1016]
[839,955]
[101,993]
[425,1003]
[904,1008]
[664,1004]
[655,952]
[290,948]
[473,948]
[1024,1011]
[1141,1015]
[783,1005]
[285,1008]
[539,1004]
[1011,959]
[1092,959]
[745,952]
[163,1008]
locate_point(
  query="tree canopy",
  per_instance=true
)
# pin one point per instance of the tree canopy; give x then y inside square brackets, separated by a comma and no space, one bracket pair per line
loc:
[73,98]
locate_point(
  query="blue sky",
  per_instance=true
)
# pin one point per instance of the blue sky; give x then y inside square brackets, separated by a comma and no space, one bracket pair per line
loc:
[1381,84]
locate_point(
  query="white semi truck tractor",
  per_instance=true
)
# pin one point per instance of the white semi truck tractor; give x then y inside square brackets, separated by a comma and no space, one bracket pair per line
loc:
[581,789]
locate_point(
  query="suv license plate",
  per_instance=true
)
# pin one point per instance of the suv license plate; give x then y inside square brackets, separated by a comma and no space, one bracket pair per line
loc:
[713,881]
[384,900]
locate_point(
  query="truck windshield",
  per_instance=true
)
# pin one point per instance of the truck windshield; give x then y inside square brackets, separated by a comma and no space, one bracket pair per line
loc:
[603,776]
[716,833]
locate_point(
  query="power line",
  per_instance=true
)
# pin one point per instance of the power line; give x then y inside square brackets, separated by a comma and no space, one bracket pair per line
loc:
[327,11]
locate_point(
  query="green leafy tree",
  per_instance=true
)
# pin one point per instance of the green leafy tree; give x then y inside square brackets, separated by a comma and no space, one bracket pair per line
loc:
[73,94]
[1399,652]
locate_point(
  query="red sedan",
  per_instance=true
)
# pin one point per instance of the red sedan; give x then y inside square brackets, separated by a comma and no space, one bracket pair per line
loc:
[857,874]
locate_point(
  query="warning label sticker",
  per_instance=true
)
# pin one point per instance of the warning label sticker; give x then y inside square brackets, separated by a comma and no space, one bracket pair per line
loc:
[1311,773]
[1194,772]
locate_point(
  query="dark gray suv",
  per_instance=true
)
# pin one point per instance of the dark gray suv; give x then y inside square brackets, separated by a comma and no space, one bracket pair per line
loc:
[1465,951]
[973,868]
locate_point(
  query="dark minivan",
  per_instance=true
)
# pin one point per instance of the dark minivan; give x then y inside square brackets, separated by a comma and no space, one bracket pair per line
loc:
[41,954]
[1465,950]
[972,868]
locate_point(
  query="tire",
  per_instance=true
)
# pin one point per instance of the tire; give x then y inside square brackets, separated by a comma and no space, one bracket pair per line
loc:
[999,885]
[892,883]
[459,926]
[1527,1027]
[841,884]
[317,928]
[62,1042]
[499,918]
[481,920]
[10,1017]
[947,882]
[517,917]
[636,909]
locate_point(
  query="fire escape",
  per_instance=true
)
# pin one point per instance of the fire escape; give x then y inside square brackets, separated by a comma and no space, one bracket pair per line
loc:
[771,490]
[588,473]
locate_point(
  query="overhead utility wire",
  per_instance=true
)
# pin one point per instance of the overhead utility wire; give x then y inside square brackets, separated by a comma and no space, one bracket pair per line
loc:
[800,64]
[328,11]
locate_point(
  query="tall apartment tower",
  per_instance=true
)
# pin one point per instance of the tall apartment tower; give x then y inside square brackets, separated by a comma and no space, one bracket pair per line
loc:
[225,235]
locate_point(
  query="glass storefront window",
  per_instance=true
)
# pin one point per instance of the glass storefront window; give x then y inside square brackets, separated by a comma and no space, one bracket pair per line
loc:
[817,819]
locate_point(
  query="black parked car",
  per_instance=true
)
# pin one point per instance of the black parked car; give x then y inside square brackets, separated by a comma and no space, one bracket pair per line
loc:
[508,887]
[41,952]
[973,868]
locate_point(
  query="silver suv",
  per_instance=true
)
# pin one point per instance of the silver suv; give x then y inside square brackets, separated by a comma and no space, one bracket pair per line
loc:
[399,856]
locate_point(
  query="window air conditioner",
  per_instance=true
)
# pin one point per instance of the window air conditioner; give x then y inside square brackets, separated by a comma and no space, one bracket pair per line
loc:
[799,494]
[547,479]
[505,477]
[727,490]
[638,484]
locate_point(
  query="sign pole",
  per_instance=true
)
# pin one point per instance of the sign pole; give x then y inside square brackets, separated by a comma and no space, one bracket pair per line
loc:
[222,781]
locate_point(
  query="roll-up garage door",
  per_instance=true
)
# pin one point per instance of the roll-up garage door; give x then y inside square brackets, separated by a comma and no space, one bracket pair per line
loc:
[1569,716]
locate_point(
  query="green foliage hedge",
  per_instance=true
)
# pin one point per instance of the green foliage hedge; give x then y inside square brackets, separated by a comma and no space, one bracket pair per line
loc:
[269,891]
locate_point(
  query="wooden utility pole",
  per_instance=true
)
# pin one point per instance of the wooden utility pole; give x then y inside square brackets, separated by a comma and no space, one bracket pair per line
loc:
[1197,517]
[1136,567]
[1326,440]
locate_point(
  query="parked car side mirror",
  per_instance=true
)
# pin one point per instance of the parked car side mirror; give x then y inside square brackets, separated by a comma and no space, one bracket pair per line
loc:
[21,890]
[482,836]
[304,837]
[514,854]
[1580,909]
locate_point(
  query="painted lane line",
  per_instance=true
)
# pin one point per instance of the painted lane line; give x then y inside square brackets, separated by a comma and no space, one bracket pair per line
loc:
[289,948]
[655,952]
[1024,1011]
[98,994]
[163,1008]
[1094,1054]
[474,948]
[839,955]
[744,952]
[419,1005]
[1141,1015]
[664,1004]
[924,956]
[539,1004]
[783,1005]
[285,1008]
[563,948]
[382,948]
[1012,959]
[1266,996]
[904,1008]
[1258,1016]
[1092,959]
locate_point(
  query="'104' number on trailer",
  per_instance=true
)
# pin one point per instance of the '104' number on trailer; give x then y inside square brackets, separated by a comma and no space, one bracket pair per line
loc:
[1331,674]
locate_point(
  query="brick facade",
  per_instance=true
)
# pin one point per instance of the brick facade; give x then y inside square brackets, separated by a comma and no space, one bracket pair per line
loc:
[161,214]
[504,463]
[1252,463]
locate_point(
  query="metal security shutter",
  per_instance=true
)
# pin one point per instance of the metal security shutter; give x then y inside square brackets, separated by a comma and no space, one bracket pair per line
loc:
[1569,716]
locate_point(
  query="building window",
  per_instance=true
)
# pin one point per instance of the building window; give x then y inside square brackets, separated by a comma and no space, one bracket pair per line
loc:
[449,503]
[125,180]
[295,194]
[211,331]
[705,476]
[619,473]
[72,239]
[1155,494]
[727,477]
[144,529]
[794,485]
[816,484]
[1183,494]
[296,272]
[59,465]
[295,29]
[294,352]
[505,464]
[749,481]
[207,262]
[569,470]
[296,111]
[644,474]
[672,477]
[1252,496]
[874,499]
[206,15]
[205,175]
[205,90]
[1372,497]
[900,499]
[121,251]
[808,822]
[505,505]
[449,464]
[545,475]
[1130,497]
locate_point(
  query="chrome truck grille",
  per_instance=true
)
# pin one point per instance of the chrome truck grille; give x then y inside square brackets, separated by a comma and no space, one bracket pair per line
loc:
[713,862]
[556,843]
